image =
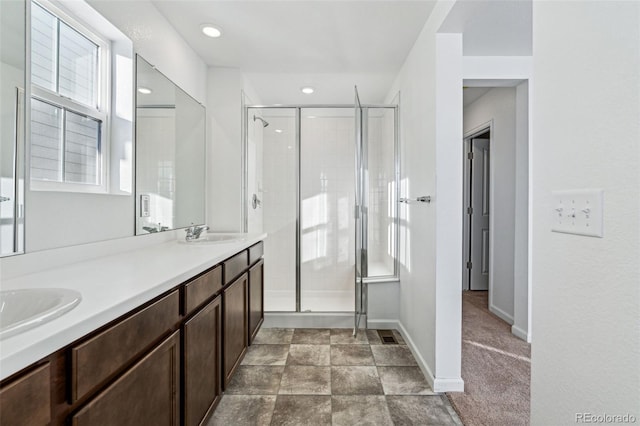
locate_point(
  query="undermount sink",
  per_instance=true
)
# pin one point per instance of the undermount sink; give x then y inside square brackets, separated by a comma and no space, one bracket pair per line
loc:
[213,238]
[21,310]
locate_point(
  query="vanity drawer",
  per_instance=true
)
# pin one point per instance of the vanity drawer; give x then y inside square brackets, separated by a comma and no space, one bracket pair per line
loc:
[100,357]
[202,288]
[27,400]
[234,266]
[255,252]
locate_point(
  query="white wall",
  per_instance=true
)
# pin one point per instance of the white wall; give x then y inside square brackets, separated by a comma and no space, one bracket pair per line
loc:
[499,107]
[158,42]
[418,288]
[522,239]
[57,219]
[586,292]
[224,149]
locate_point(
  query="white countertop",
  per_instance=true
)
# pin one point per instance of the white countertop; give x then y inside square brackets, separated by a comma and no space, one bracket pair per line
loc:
[110,286]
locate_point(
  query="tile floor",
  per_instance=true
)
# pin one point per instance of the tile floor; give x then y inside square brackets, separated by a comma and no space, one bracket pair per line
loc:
[328,377]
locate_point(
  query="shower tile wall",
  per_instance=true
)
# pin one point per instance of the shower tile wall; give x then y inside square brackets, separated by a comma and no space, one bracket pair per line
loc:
[278,189]
[327,200]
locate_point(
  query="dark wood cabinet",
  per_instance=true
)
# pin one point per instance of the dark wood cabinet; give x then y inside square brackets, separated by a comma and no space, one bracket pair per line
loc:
[256,299]
[147,393]
[99,358]
[200,289]
[234,322]
[164,363]
[26,400]
[202,340]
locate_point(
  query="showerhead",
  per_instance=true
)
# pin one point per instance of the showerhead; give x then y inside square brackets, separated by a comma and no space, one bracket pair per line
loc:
[264,123]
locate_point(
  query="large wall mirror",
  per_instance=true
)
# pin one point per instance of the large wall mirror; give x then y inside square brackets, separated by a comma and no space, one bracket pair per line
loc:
[12,84]
[170,154]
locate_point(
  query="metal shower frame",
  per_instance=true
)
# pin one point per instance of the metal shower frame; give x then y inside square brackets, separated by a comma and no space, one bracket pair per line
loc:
[365,121]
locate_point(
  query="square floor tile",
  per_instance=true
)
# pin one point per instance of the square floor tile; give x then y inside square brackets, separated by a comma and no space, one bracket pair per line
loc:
[373,337]
[404,381]
[351,355]
[362,410]
[266,355]
[355,380]
[419,410]
[344,336]
[273,336]
[309,355]
[296,410]
[305,380]
[243,410]
[399,337]
[393,355]
[311,336]
[255,380]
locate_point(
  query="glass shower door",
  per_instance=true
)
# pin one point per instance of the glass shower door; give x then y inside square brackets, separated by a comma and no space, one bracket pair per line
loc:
[360,219]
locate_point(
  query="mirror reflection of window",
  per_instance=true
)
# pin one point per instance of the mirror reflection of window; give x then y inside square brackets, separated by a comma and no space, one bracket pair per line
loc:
[12,84]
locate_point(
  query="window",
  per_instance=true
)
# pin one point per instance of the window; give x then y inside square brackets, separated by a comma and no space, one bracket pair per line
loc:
[68,103]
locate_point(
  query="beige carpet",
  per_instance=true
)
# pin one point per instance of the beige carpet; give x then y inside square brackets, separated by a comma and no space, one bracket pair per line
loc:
[496,368]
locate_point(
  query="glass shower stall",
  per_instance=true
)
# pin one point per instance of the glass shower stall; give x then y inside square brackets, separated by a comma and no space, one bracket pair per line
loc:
[322,182]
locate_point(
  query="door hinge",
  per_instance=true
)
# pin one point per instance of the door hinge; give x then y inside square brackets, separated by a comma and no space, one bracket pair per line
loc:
[469,210]
[470,155]
[356,212]
[469,264]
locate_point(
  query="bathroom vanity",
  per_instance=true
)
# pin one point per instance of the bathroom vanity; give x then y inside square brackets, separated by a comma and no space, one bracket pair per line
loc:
[164,362]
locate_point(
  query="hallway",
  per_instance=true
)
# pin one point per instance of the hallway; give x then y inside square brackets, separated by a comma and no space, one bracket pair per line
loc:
[496,368]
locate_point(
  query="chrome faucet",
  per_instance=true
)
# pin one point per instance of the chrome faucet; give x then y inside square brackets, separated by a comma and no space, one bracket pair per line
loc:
[194,231]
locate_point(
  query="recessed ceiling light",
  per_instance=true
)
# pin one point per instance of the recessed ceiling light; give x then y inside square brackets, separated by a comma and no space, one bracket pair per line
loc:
[311,116]
[278,130]
[307,90]
[210,30]
[144,90]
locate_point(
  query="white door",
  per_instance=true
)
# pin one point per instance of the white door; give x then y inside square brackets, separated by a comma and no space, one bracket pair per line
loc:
[479,232]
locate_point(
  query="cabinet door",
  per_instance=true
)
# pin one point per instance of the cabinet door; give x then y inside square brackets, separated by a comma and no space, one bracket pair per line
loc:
[256,299]
[146,394]
[26,400]
[234,322]
[202,366]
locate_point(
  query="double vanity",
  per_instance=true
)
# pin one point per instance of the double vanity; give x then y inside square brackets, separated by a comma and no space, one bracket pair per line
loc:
[155,339]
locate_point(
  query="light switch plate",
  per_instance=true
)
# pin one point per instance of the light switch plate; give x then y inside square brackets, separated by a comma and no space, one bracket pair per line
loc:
[578,212]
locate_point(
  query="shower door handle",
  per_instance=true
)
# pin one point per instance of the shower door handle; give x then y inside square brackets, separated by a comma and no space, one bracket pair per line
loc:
[255,201]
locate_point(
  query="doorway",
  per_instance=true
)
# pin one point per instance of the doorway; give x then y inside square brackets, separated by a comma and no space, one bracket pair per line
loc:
[477,154]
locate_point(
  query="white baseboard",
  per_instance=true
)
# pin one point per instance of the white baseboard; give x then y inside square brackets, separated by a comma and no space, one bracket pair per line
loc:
[439,385]
[502,314]
[448,385]
[520,333]
[383,324]
[419,359]
[310,320]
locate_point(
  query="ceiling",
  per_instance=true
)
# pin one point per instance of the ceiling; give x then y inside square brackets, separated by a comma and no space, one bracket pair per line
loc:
[332,45]
[283,45]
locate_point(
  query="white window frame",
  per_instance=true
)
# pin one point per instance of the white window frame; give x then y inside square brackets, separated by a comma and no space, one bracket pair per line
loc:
[101,112]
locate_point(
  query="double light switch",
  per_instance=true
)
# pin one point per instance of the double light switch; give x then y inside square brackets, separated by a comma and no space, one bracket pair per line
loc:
[578,212]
